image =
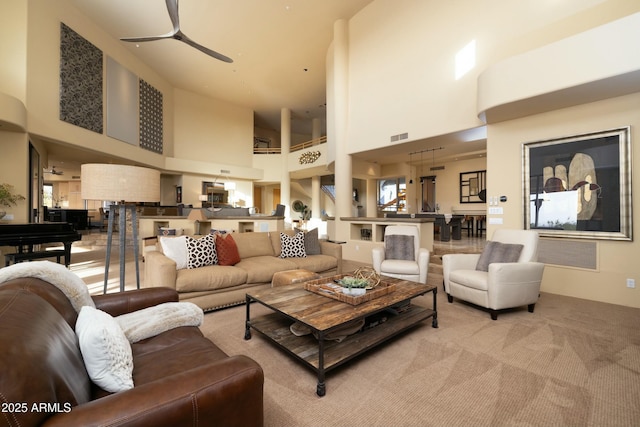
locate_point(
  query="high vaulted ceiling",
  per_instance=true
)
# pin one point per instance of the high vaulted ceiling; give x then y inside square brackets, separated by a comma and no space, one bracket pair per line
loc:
[278,49]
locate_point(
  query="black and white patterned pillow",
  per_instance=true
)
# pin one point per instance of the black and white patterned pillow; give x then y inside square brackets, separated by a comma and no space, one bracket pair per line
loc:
[292,246]
[201,252]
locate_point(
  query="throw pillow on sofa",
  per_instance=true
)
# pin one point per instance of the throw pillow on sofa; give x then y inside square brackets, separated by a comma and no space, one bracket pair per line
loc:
[227,249]
[292,246]
[175,248]
[311,242]
[105,349]
[202,252]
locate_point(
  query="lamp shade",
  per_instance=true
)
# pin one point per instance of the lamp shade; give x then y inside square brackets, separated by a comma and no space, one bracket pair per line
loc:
[202,198]
[119,182]
[197,215]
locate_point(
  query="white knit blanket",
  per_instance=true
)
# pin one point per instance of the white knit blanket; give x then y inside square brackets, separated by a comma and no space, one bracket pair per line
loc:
[152,321]
[136,325]
[72,286]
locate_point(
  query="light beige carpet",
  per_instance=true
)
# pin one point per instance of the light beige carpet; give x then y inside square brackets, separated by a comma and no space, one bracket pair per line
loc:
[571,363]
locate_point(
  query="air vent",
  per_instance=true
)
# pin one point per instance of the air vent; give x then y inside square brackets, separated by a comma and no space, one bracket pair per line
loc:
[399,137]
[225,171]
[436,168]
[75,177]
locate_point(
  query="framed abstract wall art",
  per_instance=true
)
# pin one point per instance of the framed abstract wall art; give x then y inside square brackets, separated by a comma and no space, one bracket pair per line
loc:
[579,186]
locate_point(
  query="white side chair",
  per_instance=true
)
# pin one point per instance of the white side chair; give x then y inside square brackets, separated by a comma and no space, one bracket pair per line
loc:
[505,284]
[397,259]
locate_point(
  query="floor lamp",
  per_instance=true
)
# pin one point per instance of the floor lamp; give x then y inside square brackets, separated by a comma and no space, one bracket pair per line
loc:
[124,183]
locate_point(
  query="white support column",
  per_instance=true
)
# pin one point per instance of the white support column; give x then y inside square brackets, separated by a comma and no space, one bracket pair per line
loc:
[372,195]
[316,128]
[285,147]
[343,167]
[316,196]
[316,193]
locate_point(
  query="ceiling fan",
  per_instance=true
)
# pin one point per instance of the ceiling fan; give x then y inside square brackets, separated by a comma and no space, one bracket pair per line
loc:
[53,171]
[172,7]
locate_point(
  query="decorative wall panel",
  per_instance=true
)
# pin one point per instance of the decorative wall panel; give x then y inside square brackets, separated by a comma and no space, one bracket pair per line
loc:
[122,103]
[80,81]
[150,118]
[570,253]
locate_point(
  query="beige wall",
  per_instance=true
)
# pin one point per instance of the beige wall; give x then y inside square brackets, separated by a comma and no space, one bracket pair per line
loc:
[43,85]
[12,171]
[402,58]
[617,260]
[13,56]
[210,130]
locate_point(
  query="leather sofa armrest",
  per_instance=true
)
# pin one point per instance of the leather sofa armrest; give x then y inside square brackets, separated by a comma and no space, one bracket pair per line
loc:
[334,250]
[126,302]
[226,393]
[159,270]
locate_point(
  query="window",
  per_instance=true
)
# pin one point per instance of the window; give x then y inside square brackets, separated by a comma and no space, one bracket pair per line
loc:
[392,195]
[47,195]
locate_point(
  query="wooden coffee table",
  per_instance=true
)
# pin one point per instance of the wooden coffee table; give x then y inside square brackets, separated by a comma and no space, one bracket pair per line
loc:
[324,315]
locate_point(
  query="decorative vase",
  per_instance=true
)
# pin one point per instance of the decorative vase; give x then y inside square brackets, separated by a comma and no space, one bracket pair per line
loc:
[354,292]
[2,214]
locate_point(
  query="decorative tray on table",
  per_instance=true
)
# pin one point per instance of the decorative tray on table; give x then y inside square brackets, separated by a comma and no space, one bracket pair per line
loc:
[330,287]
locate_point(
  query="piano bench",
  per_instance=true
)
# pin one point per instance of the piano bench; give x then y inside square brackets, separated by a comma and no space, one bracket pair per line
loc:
[26,256]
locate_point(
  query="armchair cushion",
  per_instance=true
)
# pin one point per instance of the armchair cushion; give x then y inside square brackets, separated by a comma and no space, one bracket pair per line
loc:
[498,252]
[399,246]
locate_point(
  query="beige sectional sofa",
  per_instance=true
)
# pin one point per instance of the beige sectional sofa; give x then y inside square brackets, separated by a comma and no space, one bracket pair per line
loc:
[217,286]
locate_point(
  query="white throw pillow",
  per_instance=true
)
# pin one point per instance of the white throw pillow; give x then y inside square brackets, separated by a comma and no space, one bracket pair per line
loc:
[176,249]
[105,350]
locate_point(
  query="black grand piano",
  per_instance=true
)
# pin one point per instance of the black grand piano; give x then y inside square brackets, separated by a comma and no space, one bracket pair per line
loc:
[26,236]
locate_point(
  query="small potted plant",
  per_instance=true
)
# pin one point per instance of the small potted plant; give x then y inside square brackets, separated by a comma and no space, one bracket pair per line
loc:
[353,286]
[8,198]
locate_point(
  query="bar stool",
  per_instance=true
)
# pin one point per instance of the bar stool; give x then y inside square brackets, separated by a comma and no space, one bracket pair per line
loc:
[468,225]
[480,225]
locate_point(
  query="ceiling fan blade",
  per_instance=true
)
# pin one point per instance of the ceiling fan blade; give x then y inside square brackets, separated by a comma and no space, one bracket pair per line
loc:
[147,39]
[212,53]
[172,7]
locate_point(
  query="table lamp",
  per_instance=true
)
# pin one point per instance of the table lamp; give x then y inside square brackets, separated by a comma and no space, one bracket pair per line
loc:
[121,184]
[197,216]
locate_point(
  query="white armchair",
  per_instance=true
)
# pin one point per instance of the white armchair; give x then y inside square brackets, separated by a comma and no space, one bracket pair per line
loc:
[514,282]
[401,256]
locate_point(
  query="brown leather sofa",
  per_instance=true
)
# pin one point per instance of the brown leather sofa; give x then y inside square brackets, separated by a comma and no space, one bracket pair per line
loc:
[180,377]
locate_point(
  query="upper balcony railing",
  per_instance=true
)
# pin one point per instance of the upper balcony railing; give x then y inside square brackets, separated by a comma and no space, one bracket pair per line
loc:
[308,144]
[276,150]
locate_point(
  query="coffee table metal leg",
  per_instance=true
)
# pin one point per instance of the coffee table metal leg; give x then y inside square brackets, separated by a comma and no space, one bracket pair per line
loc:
[321,388]
[434,322]
[247,324]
